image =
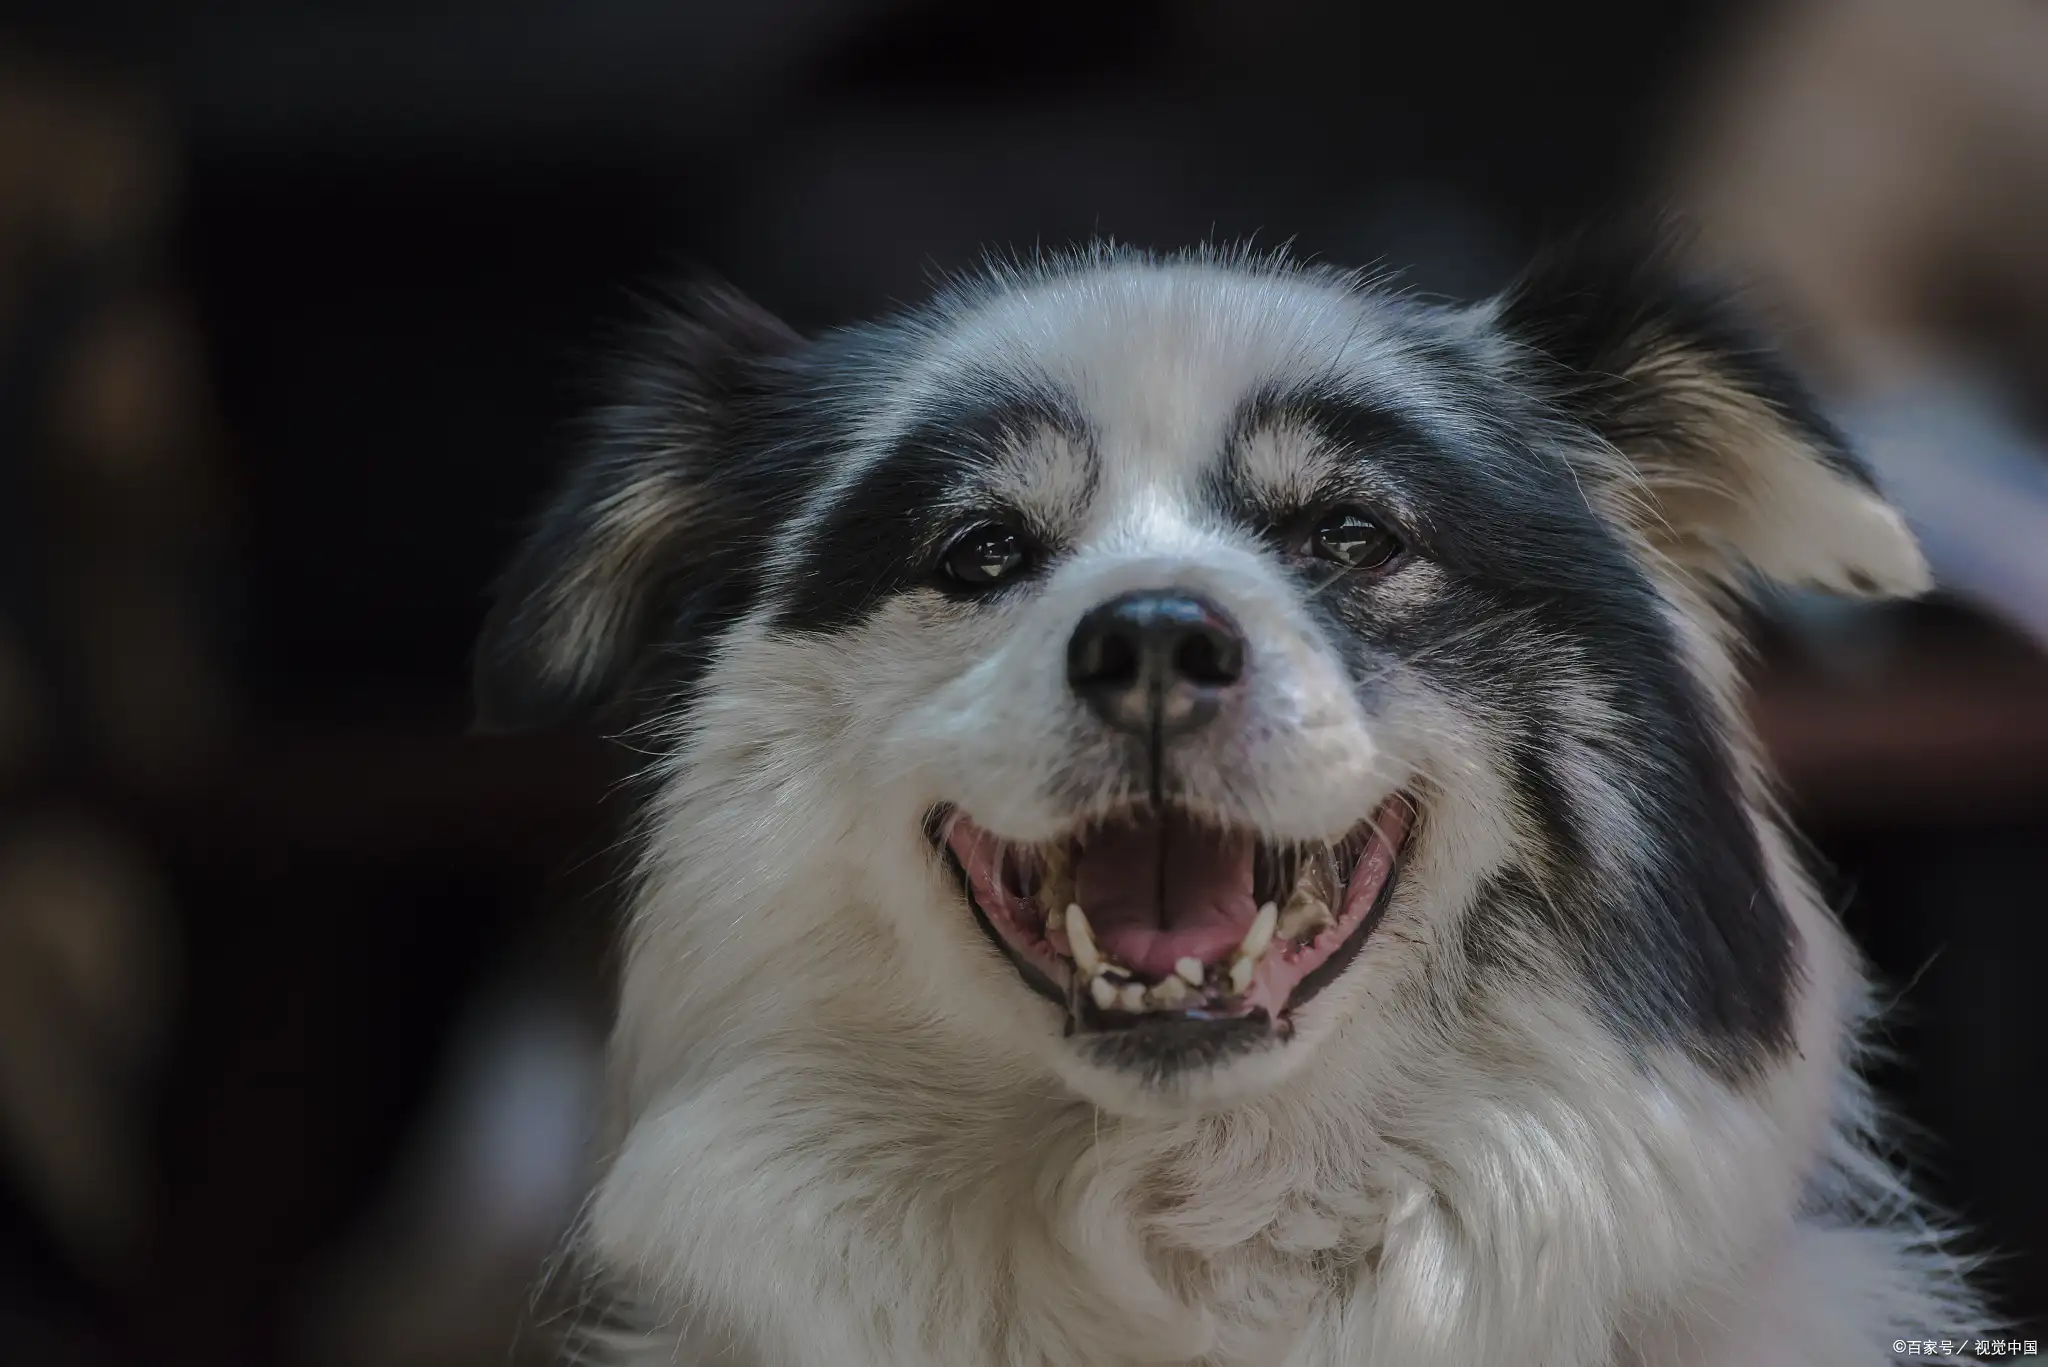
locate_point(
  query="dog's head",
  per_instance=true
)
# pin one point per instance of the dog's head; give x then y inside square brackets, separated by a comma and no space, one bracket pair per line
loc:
[1159,669]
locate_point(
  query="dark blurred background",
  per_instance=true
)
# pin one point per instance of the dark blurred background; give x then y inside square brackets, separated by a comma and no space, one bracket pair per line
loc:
[301,988]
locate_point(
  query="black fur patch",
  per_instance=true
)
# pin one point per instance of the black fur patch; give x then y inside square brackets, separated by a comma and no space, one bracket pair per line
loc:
[881,535]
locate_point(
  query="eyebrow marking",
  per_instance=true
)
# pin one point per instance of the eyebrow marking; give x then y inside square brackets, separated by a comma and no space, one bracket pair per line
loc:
[1331,421]
[983,428]
[1342,419]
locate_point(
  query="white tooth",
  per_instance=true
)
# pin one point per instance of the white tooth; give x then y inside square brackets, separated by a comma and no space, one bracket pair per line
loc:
[1132,998]
[1170,992]
[1104,992]
[1083,940]
[1055,920]
[1191,971]
[1240,973]
[1261,934]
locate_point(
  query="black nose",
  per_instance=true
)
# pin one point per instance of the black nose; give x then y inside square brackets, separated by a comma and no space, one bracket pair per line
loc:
[1155,661]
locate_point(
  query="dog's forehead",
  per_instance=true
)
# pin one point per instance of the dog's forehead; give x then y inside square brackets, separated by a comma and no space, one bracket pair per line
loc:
[1143,375]
[1163,354]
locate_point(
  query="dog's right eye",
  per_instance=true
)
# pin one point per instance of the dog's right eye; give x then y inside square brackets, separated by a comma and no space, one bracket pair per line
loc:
[985,555]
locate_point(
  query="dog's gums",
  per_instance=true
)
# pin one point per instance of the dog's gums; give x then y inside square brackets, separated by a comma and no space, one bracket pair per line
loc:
[1152,916]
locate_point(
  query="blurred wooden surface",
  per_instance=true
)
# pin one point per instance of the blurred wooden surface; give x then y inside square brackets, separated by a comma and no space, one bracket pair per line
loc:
[1944,736]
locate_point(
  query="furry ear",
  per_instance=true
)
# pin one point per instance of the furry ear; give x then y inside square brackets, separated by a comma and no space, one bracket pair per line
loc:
[642,529]
[1729,466]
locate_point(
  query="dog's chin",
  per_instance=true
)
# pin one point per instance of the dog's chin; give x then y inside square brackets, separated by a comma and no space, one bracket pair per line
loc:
[1175,956]
[1172,1072]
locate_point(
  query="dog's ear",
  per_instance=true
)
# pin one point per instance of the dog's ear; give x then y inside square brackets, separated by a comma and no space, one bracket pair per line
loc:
[644,525]
[1728,468]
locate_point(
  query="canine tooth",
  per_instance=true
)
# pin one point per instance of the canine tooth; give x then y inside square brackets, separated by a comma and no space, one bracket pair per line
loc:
[1082,938]
[1056,882]
[1168,992]
[1305,916]
[1191,971]
[1055,920]
[1132,998]
[1261,934]
[1240,973]
[1104,992]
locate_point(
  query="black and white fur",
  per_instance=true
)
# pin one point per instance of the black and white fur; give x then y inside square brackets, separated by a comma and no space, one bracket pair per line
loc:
[1588,1095]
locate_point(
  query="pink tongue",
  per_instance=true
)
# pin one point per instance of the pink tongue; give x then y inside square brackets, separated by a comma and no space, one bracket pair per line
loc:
[1155,894]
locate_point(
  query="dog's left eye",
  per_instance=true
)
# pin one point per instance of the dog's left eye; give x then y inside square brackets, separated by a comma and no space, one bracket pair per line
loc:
[1351,537]
[985,555]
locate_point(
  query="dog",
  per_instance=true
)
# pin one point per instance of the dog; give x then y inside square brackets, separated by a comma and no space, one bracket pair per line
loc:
[1200,811]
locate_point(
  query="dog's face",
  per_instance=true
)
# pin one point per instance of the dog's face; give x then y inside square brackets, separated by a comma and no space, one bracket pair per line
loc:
[1164,670]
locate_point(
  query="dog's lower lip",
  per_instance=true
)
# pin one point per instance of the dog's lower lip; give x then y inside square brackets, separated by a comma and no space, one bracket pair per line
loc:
[1034,977]
[1254,986]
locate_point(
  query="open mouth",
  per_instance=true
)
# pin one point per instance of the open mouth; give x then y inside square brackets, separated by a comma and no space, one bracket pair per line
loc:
[1154,917]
